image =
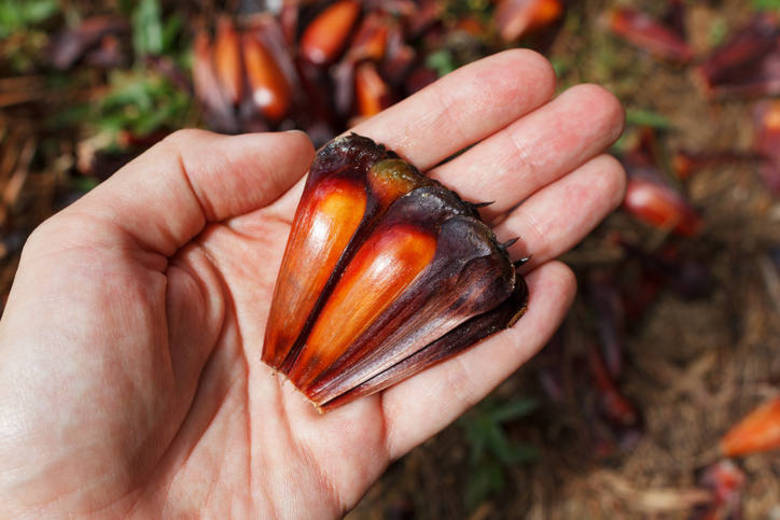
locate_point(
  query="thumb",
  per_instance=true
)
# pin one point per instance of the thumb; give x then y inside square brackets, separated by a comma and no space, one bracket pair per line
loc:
[166,196]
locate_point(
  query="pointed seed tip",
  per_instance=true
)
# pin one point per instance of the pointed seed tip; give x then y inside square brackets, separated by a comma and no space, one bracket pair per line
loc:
[522,261]
[516,317]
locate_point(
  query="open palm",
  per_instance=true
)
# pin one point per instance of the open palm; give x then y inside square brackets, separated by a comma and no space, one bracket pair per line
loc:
[130,373]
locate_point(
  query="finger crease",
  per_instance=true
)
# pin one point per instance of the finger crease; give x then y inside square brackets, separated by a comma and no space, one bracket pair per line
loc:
[540,237]
[203,203]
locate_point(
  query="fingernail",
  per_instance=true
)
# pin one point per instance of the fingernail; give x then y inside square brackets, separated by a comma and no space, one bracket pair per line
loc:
[296,131]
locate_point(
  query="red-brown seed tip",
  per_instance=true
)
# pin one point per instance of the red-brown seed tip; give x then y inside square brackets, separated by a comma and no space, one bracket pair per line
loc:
[392,178]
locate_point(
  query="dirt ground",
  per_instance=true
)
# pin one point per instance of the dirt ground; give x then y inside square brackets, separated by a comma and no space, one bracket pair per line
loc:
[694,367]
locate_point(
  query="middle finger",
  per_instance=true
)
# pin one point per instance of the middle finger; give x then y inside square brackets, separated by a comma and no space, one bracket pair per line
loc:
[536,150]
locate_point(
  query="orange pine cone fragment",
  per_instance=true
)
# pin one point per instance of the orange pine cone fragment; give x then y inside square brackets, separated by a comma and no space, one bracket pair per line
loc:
[758,431]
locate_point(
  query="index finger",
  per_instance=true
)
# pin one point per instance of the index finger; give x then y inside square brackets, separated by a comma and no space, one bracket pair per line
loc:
[458,110]
[463,107]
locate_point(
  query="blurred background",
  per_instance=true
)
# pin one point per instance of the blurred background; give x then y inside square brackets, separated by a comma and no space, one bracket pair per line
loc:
[659,397]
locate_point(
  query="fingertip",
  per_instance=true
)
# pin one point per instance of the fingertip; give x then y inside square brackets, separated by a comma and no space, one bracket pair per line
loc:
[609,110]
[295,142]
[302,139]
[298,144]
[566,281]
[275,160]
[553,281]
[533,67]
[520,77]
[187,136]
[614,179]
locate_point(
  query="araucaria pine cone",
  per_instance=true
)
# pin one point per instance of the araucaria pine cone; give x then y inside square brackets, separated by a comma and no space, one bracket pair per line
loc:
[386,272]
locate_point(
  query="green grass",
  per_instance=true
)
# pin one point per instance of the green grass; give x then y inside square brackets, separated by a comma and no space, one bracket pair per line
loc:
[491,452]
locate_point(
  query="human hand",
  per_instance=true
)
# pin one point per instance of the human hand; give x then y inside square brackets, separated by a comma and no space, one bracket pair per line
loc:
[130,372]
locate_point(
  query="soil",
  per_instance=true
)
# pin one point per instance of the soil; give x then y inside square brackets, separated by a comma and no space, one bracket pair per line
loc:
[694,367]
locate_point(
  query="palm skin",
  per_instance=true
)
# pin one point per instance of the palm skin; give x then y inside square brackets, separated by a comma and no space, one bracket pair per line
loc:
[130,373]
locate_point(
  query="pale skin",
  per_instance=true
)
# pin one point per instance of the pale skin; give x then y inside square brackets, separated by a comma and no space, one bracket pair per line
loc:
[130,373]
